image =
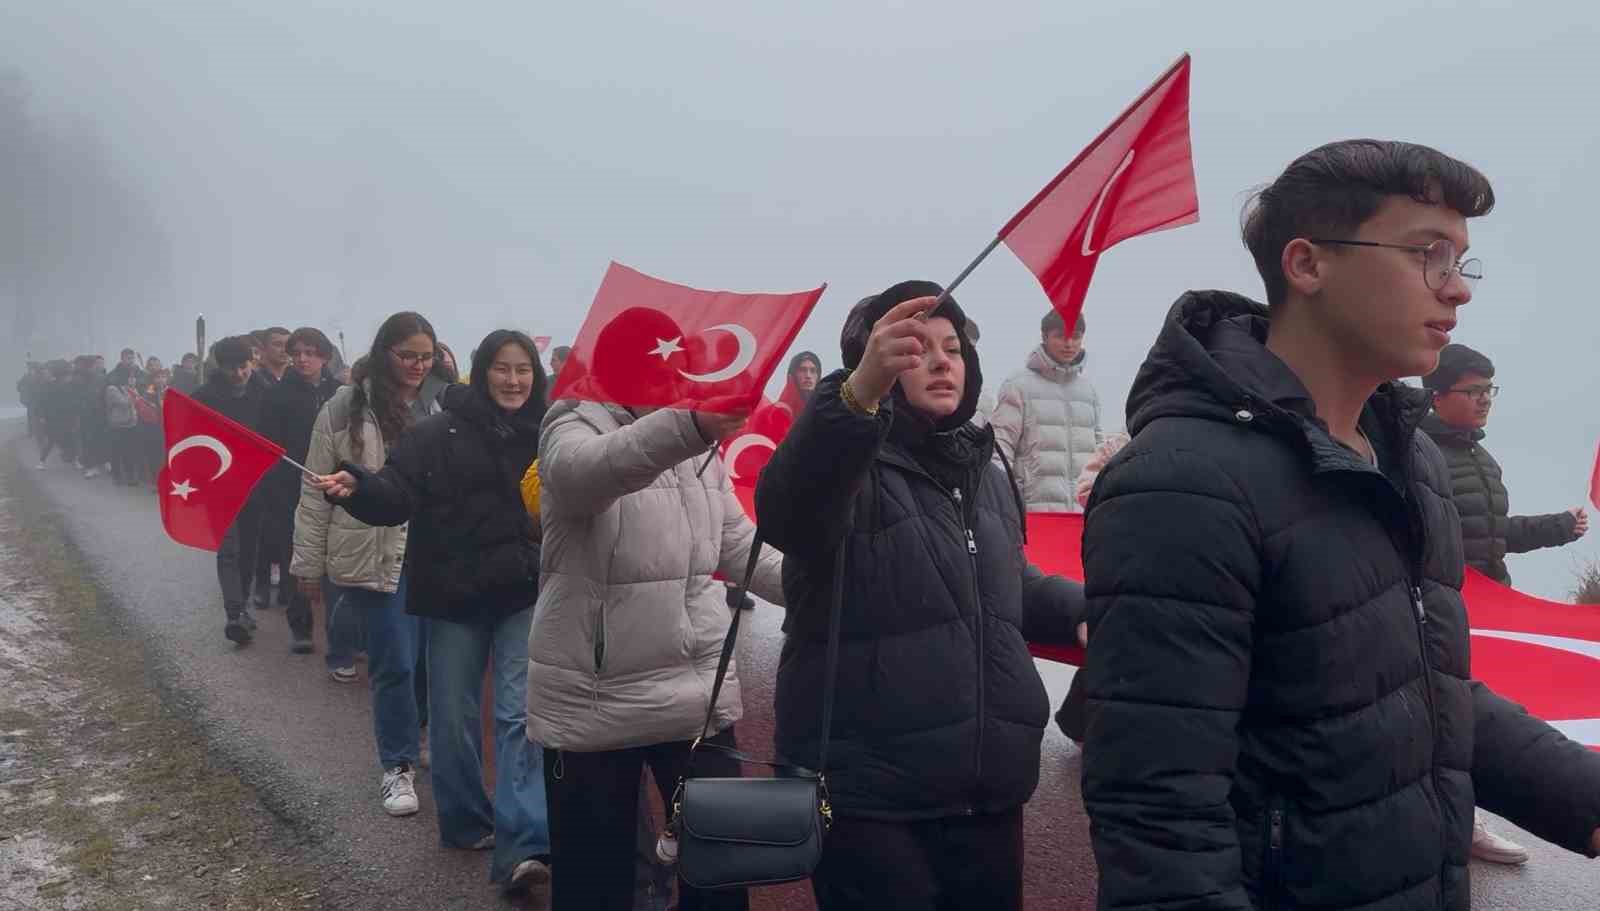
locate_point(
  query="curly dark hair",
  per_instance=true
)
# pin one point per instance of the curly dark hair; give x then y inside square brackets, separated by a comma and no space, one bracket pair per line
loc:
[379,377]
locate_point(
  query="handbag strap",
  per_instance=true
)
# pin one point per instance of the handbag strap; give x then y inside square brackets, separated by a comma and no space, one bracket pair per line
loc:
[736,603]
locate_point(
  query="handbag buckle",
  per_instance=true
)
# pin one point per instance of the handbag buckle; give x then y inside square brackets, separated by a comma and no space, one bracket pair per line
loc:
[825,807]
[677,807]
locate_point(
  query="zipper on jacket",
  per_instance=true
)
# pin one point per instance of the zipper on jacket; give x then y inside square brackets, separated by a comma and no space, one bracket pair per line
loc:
[977,607]
[1272,876]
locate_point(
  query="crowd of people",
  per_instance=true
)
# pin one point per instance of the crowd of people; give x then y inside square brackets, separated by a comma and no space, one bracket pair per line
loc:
[1276,693]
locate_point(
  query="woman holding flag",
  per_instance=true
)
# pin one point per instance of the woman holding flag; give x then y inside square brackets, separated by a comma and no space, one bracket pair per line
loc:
[472,568]
[630,626]
[935,738]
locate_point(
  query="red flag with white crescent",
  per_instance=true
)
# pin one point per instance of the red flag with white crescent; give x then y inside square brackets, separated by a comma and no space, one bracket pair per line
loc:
[1594,480]
[1135,178]
[212,464]
[747,453]
[651,343]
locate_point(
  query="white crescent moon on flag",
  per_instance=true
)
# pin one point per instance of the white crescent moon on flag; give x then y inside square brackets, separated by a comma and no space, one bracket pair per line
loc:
[740,362]
[203,442]
[739,445]
[1584,730]
[1094,214]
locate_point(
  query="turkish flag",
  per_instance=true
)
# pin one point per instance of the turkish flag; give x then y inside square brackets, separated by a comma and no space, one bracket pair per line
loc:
[212,465]
[747,453]
[1594,480]
[1135,178]
[648,343]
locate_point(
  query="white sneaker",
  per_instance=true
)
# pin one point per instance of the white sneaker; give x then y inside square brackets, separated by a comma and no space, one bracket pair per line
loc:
[399,794]
[1495,849]
[91,473]
[42,466]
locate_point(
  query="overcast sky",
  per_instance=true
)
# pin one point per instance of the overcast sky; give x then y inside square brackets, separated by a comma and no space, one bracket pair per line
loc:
[329,163]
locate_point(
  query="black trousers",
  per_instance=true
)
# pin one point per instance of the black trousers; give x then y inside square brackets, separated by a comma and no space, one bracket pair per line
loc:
[126,457]
[594,818]
[949,864]
[236,558]
[277,546]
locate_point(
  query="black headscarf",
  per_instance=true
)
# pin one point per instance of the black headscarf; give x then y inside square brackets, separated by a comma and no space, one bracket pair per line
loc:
[941,446]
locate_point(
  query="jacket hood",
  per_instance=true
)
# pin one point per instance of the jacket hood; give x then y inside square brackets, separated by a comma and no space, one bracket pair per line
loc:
[1211,360]
[858,327]
[472,403]
[1040,362]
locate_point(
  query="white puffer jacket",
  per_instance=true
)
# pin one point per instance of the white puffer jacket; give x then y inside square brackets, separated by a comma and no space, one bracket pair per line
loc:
[330,541]
[629,623]
[1046,423]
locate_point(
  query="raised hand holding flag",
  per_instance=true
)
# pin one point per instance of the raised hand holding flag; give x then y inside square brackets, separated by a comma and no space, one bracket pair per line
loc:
[650,343]
[212,464]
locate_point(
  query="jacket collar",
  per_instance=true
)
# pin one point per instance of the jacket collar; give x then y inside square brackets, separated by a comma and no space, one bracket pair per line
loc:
[1211,361]
[1448,435]
[1040,362]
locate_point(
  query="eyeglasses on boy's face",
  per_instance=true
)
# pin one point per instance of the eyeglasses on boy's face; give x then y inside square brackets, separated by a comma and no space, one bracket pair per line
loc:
[1481,393]
[1439,259]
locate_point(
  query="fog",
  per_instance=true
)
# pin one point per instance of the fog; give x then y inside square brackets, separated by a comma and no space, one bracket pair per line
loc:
[326,164]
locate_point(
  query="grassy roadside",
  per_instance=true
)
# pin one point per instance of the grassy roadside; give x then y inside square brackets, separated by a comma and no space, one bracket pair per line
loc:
[109,795]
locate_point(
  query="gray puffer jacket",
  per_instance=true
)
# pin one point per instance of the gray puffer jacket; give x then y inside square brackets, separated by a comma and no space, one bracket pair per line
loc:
[629,622]
[1046,423]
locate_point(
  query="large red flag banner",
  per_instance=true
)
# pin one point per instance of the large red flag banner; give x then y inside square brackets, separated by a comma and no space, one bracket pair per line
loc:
[212,464]
[1541,654]
[648,342]
[1136,177]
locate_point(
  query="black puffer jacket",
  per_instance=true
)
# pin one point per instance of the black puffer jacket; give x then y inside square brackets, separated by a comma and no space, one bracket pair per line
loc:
[939,708]
[472,554]
[1280,713]
[241,406]
[1488,533]
[288,412]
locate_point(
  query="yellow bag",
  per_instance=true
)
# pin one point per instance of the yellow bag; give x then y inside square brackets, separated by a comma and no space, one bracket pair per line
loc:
[530,489]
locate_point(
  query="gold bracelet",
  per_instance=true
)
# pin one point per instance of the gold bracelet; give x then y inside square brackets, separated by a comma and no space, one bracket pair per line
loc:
[848,396]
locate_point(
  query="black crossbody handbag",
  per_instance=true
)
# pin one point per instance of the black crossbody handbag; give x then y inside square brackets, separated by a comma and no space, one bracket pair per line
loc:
[737,832]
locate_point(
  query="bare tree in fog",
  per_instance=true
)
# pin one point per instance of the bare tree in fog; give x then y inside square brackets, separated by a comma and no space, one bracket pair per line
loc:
[82,260]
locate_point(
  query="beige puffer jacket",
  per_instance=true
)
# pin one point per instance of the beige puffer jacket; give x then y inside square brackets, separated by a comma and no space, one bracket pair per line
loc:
[1047,425]
[629,623]
[330,541]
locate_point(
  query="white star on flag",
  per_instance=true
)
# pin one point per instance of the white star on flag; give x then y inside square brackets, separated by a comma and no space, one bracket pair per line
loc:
[182,489]
[667,347]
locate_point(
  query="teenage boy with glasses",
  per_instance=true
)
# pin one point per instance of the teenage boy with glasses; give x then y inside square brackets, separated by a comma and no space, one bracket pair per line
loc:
[1280,709]
[1462,396]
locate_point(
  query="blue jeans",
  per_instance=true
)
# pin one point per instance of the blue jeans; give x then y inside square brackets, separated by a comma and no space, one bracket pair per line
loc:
[394,649]
[458,653]
[344,625]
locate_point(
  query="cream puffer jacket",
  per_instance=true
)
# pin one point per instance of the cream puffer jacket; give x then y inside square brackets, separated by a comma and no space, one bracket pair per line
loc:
[629,622]
[330,542]
[1047,423]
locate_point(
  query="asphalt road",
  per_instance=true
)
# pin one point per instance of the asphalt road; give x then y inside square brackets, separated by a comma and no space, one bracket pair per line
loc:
[306,742]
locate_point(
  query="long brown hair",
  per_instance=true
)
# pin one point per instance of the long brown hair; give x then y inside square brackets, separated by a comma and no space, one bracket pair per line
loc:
[387,405]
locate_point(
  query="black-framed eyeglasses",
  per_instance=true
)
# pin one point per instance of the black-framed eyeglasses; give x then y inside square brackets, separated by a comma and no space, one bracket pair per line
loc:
[411,357]
[1438,259]
[1481,393]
